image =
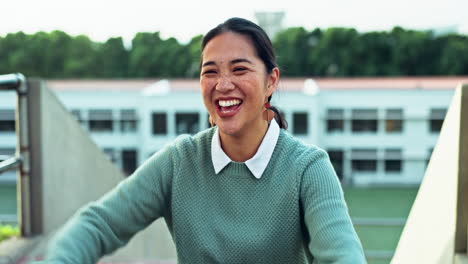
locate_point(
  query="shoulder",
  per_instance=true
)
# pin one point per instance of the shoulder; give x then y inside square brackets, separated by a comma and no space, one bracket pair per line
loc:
[187,146]
[309,163]
[299,152]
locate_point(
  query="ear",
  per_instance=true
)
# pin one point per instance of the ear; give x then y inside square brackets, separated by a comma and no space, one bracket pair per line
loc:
[272,82]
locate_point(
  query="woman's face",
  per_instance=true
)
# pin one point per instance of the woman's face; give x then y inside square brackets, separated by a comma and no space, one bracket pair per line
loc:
[234,84]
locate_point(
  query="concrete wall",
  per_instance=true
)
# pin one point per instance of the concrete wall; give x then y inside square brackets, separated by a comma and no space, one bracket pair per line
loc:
[69,170]
[436,227]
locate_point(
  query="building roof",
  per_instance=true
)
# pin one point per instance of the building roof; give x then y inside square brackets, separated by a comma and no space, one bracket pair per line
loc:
[286,84]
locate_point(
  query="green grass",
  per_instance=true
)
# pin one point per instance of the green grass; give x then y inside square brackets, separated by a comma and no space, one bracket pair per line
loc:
[7,231]
[8,199]
[379,238]
[379,203]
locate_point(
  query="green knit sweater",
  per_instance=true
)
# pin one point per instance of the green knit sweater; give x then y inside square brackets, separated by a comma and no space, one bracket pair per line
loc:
[294,213]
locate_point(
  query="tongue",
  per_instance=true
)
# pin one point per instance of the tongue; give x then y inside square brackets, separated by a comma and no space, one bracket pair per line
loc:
[229,108]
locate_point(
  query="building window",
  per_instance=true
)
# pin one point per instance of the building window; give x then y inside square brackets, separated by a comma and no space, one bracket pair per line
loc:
[335,120]
[129,161]
[7,120]
[187,123]
[364,120]
[300,123]
[437,119]
[393,160]
[393,120]
[364,160]
[159,123]
[336,158]
[128,120]
[100,120]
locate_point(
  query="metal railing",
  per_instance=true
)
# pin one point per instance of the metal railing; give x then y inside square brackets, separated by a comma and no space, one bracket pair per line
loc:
[10,164]
[21,161]
[10,82]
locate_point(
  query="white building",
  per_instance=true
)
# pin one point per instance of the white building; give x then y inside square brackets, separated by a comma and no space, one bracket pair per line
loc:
[376,130]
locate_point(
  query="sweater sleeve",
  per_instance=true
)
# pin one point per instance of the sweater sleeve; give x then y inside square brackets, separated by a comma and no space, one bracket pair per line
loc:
[331,232]
[103,226]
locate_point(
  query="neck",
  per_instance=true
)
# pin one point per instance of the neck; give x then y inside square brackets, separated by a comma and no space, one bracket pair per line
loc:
[243,147]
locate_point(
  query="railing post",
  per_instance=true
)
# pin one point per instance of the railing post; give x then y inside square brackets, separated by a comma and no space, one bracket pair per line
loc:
[22,129]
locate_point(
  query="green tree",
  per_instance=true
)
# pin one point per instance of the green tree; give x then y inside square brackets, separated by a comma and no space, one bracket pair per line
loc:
[292,48]
[15,56]
[194,51]
[454,55]
[143,61]
[113,58]
[335,53]
[173,58]
[373,55]
[81,59]
[59,45]
[411,55]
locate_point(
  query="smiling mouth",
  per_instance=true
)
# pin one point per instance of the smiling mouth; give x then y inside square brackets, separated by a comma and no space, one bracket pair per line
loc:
[227,106]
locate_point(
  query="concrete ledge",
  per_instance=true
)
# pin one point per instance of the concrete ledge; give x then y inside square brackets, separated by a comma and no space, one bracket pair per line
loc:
[13,249]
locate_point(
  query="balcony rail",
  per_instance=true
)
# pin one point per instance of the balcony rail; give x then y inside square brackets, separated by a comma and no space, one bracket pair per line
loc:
[21,162]
[11,81]
[10,164]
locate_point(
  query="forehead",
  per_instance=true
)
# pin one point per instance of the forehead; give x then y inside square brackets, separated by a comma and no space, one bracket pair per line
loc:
[228,46]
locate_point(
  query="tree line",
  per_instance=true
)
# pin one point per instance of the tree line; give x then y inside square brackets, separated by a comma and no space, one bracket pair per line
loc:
[333,52]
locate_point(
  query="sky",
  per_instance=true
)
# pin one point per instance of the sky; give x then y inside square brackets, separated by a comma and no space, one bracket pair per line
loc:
[102,19]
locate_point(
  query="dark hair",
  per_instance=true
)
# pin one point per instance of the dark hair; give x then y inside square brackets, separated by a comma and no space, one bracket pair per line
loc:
[262,45]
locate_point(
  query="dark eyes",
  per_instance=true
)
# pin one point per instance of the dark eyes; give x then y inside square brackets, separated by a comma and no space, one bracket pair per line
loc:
[240,69]
[209,72]
[236,70]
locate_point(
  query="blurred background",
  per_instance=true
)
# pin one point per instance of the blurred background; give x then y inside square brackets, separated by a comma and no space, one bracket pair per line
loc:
[368,81]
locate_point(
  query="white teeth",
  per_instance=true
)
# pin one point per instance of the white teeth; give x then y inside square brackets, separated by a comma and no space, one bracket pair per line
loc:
[229,102]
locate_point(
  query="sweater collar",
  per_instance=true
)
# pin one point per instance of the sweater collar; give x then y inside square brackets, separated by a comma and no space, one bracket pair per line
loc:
[258,163]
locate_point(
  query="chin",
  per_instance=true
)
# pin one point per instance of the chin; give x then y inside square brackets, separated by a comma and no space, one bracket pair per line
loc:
[229,129]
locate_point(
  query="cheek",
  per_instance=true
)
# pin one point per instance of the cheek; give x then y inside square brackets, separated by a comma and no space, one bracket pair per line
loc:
[204,87]
[206,92]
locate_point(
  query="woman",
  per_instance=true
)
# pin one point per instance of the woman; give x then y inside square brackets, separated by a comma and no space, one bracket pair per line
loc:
[243,191]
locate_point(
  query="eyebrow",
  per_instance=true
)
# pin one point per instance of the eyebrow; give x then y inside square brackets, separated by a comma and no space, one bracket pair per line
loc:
[208,63]
[240,60]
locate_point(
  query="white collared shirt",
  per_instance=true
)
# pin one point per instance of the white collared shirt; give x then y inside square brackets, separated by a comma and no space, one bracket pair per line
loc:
[258,163]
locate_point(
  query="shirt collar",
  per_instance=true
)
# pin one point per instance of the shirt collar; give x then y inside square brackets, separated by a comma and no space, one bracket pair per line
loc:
[258,163]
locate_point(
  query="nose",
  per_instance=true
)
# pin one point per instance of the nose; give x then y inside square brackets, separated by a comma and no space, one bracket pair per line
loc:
[224,84]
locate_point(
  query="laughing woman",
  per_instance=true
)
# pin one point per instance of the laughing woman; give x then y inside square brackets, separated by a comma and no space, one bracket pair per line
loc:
[243,191]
